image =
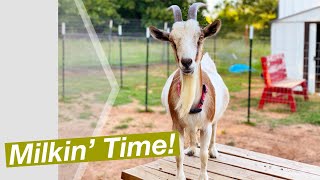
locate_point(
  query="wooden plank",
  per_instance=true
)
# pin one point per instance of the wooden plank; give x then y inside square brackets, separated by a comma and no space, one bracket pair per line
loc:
[233,163]
[260,167]
[288,83]
[143,172]
[190,172]
[224,169]
[272,160]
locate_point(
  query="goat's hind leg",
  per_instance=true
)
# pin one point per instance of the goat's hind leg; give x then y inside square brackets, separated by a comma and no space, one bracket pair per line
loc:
[213,152]
[205,136]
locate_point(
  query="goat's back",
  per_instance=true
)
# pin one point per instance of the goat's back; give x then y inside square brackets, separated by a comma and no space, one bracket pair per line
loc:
[221,90]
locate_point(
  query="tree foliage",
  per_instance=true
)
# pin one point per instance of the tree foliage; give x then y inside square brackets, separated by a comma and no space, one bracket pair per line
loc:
[236,15]
[150,12]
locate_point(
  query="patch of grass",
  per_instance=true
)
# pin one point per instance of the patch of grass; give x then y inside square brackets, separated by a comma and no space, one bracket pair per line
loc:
[85,115]
[149,125]
[253,102]
[163,112]
[121,126]
[231,143]
[93,124]
[144,110]
[233,107]
[64,118]
[235,82]
[307,112]
[113,131]
[250,123]
[127,120]
[86,106]
[66,99]
[133,52]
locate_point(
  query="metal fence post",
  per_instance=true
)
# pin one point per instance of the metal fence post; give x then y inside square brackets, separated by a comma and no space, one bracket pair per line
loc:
[63,32]
[165,27]
[250,69]
[215,48]
[147,68]
[110,40]
[120,46]
[168,56]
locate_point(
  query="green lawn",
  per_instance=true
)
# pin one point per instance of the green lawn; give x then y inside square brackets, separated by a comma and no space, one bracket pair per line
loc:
[80,52]
[84,73]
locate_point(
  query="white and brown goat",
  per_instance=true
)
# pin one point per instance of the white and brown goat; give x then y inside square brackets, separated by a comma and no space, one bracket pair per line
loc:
[195,94]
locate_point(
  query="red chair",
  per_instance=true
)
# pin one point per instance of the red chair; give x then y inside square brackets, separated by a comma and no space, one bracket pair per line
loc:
[278,87]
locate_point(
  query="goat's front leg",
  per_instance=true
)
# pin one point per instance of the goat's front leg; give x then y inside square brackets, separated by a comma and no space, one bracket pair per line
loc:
[213,152]
[205,135]
[193,141]
[180,158]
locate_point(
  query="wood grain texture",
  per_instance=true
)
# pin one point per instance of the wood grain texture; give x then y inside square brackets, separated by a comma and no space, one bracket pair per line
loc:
[233,163]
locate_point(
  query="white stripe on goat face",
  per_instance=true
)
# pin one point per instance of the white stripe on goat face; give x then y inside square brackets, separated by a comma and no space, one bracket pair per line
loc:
[185,35]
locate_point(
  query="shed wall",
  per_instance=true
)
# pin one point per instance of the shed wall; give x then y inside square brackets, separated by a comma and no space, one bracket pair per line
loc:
[288,38]
[290,7]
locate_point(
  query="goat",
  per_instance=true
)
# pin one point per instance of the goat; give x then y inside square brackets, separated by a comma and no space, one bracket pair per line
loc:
[194,95]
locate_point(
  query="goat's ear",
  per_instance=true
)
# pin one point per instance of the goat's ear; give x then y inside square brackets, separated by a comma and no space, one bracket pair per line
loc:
[159,34]
[212,29]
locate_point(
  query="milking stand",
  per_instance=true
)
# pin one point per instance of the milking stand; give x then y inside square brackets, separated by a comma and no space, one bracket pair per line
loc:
[120,46]
[250,68]
[147,68]
[63,33]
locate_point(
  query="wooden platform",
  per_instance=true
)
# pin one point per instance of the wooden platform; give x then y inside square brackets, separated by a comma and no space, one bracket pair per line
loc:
[232,163]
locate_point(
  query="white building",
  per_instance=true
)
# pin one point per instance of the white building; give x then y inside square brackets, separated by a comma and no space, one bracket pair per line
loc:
[296,33]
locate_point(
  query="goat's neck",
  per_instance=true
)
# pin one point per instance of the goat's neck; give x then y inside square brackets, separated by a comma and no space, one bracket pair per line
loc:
[191,89]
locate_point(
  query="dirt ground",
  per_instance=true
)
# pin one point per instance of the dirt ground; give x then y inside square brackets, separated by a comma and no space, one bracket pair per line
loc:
[295,142]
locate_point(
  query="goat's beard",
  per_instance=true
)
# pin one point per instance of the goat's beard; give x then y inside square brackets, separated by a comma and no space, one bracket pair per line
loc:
[187,94]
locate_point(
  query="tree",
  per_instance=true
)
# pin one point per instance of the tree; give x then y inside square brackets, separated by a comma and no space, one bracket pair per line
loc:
[236,14]
[148,12]
[100,11]
[151,11]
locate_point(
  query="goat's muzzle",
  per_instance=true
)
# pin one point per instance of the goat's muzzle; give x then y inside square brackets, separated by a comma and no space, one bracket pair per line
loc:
[186,63]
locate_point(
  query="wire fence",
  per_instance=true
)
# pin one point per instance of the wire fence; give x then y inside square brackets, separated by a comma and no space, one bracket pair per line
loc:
[230,53]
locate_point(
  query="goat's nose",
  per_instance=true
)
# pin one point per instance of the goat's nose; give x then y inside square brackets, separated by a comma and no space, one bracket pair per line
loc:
[186,62]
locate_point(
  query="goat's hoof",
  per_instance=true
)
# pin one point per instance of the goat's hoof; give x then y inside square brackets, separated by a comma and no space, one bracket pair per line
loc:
[213,153]
[203,176]
[190,151]
[181,176]
[198,145]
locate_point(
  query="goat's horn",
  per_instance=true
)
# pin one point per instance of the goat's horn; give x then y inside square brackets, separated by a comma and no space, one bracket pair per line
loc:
[176,13]
[192,13]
